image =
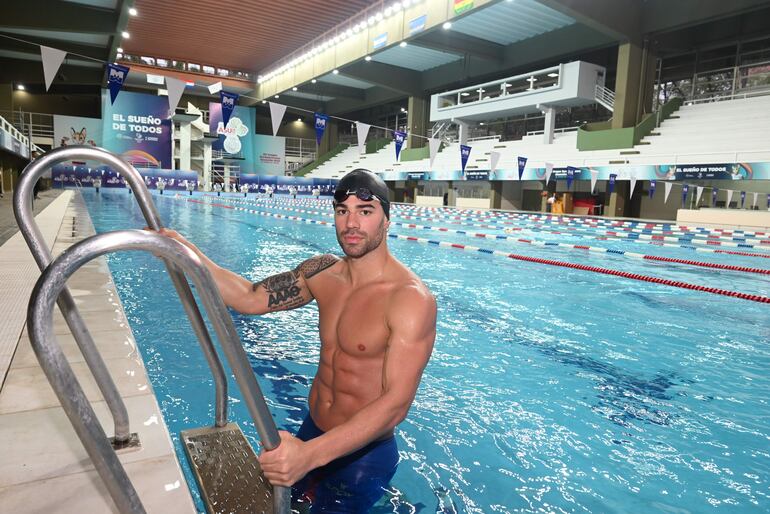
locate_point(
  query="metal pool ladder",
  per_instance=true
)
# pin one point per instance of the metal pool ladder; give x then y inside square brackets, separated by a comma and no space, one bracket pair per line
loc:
[224,463]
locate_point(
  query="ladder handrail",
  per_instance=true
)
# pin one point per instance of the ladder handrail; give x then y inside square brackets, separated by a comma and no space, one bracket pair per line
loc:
[22,206]
[77,407]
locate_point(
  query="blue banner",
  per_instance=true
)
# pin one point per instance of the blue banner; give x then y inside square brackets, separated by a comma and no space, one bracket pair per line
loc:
[400,137]
[714,194]
[743,198]
[768,201]
[465,152]
[570,176]
[320,126]
[67,175]
[522,162]
[611,184]
[653,185]
[228,101]
[685,190]
[116,76]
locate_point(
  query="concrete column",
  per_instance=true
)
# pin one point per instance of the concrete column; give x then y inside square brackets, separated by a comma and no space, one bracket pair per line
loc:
[330,139]
[617,202]
[418,111]
[206,167]
[627,89]
[511,198]
[496,194]
[227,177]
[550,124]
[6,98]
[462,131]
[451,194]
[185,144]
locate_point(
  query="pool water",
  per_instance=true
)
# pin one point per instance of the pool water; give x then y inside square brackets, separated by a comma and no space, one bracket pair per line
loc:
[549,389]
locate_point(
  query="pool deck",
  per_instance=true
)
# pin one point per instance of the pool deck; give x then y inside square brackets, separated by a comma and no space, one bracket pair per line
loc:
[44,467]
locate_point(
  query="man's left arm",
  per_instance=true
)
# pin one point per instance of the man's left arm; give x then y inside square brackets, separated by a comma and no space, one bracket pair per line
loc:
[412,322]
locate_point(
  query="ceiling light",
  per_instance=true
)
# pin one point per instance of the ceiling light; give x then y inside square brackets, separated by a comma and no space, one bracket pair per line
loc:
[120,50]
[368,58]
[20,87]
[132,11]
[337,39]
[378,16]
[348,32]
[314,81]
[362,25]
[446,25]
[464,93]
[388,11]
[482,123]
[402,44]
[125,35]
[553,74]
[403,110]
[371,20]
[396,7]
[481,90]
[336,72]
[276,96]
[294,88]
[406,3]
[357,28]
[264,101]
[299,120]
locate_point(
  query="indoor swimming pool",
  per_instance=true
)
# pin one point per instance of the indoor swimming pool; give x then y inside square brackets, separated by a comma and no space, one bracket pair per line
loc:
[554,386]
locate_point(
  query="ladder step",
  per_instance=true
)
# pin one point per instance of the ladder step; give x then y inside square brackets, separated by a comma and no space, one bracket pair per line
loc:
[227,470]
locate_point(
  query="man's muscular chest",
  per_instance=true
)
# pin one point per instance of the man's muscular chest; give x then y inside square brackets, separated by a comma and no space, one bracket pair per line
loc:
[355,321]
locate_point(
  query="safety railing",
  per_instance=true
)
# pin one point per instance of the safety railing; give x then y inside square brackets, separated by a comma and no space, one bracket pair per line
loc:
[22,204]
[77,407]
[605,96]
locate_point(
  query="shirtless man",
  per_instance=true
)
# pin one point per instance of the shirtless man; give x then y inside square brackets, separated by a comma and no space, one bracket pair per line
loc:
[377,327]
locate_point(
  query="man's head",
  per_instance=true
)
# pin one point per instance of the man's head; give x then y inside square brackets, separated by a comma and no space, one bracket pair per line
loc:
[361,212]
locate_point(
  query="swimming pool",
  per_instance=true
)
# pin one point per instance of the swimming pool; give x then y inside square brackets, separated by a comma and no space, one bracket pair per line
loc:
[550,389]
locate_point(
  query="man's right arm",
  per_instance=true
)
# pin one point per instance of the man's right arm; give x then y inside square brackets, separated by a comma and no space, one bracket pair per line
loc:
[287,290]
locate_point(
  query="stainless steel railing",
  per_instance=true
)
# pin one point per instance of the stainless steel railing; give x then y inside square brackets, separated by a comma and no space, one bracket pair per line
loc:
[77,407]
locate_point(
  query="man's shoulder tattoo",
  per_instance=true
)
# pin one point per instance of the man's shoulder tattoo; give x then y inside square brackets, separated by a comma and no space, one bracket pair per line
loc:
[283,290]
[315,265]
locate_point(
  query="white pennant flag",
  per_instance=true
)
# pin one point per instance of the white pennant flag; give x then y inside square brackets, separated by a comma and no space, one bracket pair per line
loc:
[494,158]
[52,59]
[215,88]
[363,130]
[433,145]
[699,191]
[276,115]
[594,178]
[548,171]
[668,190]
[729,197]
[756,195]
[175,89]
[632,181]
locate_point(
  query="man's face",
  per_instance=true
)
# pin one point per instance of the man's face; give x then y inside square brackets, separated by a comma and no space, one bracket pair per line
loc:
[360,225]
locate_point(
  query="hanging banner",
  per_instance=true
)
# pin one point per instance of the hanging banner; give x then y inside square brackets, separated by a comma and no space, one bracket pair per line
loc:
[714,195]
[215,88]
[768,201]
[729,198]
[276,115]
[594,179]
[399,137]
[522,162]
[698,193]
[570,176]
[611,183]
[235,138]
[653,185]
[362,130]
[137,127]
[632,183]
[116,76]
[228,102]
[433,146]
[494,158]
[685,190]
[175,89]
[754,204]
[668,190]
[465,152]
[548,172]
[320,126]
[743,198]
[52,59]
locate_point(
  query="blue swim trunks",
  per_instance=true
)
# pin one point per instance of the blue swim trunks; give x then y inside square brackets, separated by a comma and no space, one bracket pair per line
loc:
[350,484]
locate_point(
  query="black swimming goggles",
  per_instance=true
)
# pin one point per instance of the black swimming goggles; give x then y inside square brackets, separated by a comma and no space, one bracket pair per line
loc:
[362,193]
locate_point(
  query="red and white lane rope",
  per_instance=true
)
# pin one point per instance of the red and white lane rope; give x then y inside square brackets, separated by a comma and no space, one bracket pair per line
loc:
[538,260]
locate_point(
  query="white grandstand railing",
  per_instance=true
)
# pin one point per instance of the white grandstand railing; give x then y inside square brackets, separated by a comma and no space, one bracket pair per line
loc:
[557,131]
[605,96]
[484,138]
[727,157]
[734,96]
